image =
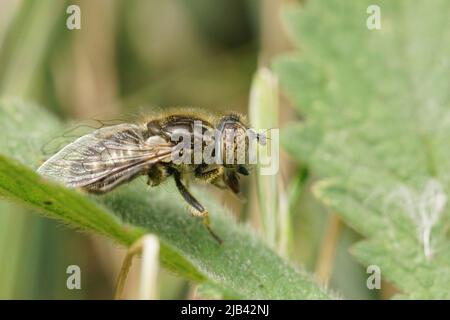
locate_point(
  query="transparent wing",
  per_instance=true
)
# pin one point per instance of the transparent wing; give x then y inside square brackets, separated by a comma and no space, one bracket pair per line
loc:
[105,158]
[75,131]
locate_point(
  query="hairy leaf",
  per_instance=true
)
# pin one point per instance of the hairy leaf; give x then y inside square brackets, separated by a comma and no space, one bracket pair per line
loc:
[376,127]
[243,267]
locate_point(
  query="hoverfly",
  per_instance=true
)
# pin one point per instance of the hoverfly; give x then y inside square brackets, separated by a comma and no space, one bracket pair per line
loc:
[113,155]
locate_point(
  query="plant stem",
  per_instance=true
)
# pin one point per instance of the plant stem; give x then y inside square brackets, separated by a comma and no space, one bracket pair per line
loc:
[148,246]
[328,250]
[149,268]
[135,249]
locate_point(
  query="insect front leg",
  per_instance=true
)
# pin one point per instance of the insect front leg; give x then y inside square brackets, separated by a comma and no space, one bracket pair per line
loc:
[197,208]
[208,175]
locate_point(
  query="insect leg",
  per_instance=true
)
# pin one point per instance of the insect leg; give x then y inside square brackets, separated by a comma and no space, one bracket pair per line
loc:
[156,174]
[199,209]
[231,179]
[187,196]
[220,177]
[208,175]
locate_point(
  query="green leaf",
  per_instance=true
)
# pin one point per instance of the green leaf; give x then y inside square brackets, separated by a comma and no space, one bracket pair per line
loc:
[243,267]
[376,129]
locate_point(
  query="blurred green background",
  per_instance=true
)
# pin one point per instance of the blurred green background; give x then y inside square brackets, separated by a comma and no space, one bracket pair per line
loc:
[129,56]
